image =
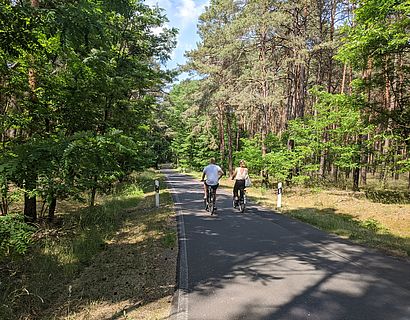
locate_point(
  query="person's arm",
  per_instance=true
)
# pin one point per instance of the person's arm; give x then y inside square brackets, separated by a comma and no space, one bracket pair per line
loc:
[203,176]
[221,172]
[234,174]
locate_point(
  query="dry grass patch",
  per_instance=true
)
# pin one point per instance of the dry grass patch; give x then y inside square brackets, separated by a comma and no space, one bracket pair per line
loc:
[347,214]
[136,270]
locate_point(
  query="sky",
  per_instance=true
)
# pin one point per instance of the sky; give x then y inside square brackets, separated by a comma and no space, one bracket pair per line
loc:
[183,15]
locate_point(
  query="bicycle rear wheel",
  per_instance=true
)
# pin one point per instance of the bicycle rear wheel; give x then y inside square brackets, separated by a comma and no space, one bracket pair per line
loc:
[242,202]
[212,202]
[242,207]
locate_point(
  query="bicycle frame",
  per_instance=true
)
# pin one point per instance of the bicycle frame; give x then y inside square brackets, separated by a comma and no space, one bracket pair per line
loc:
[242,200]
[210,200]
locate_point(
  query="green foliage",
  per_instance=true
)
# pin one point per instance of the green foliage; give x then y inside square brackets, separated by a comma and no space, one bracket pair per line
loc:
[380,29]
[379,41]
[193,137]
[334,128]
[95,161]
[372,225]
[15,235]
[86,115]
[250,152]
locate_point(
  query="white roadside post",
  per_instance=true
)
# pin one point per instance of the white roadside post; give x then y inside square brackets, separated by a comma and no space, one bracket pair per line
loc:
[279,203]
[157,193]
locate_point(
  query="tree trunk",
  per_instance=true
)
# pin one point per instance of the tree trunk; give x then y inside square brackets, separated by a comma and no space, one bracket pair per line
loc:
[356,176]
[229,129]
[334,172]
[30,210]
[342,90]
[357,161]
[221,132]
[290,146]
[322,162]
[93,192]
[238,137]
[332,31]
[52,209]
[30,201]
[408,185]
[364,162]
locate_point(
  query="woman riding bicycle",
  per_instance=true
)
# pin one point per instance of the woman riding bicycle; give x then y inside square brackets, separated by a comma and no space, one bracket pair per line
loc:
[240,175]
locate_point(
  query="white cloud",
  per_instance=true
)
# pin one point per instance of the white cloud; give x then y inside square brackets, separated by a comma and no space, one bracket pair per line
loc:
[189,11]
[183,15]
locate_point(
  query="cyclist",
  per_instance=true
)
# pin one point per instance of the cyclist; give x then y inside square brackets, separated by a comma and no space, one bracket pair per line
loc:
[240,175]
[213,173]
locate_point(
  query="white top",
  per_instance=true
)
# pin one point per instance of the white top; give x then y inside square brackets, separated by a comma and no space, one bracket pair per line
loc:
[212,174]
[241,173]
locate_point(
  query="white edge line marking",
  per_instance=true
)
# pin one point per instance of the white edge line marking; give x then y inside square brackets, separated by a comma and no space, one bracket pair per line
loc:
[182,303]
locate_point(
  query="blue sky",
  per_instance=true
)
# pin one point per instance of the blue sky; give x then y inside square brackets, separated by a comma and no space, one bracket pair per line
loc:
[183,15]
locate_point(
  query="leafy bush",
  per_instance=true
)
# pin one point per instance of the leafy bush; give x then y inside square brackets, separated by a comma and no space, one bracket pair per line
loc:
[15,235]
[251,154]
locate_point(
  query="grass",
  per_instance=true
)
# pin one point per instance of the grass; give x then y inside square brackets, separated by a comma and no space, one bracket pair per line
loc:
[381,222]
[118,258]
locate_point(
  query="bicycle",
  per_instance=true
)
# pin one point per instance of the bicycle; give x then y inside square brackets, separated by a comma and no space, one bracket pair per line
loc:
[241,205]
[210,200]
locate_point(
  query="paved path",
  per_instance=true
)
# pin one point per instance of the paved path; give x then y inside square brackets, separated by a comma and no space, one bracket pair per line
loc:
[262,265]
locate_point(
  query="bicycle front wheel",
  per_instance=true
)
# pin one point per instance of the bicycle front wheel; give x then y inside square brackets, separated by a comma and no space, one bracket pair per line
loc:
[212,202]
[242,204]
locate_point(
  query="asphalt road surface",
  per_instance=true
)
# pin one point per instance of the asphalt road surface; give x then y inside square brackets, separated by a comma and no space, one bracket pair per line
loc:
[262,265]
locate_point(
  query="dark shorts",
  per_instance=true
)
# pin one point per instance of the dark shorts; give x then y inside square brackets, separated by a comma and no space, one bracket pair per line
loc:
[215,186]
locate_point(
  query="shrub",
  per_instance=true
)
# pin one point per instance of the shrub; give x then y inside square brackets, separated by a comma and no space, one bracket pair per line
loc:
[15,235]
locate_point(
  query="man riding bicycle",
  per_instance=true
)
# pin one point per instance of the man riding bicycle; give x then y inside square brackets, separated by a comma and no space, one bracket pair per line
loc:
[213,173]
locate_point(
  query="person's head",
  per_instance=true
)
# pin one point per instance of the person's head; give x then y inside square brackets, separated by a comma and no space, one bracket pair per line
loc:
[242,163]
[212,160]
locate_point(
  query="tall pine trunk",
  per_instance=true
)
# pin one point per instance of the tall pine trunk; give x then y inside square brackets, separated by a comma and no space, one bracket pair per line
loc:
[230,142]
[357,160]
[364,162]
[30,200]
[221,132]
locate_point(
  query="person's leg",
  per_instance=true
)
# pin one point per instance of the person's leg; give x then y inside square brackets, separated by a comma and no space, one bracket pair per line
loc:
[241,187]
[235,194]
[214,188]
[235,190]
[205,191]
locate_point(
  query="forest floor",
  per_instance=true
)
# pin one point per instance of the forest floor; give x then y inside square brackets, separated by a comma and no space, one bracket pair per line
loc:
[80,271]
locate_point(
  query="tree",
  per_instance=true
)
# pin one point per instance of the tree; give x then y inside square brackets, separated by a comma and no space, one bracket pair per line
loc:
[94,70]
